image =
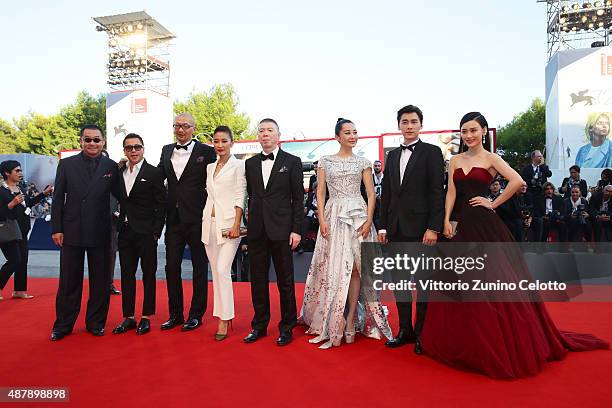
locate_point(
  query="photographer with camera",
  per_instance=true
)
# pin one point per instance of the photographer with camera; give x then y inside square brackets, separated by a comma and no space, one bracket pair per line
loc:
[551,208]
[536,174]
[572,181]
[601,207]
[578,217]
[531,224]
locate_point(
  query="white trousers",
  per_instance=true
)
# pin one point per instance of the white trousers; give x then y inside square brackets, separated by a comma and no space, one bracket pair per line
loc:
[221,257]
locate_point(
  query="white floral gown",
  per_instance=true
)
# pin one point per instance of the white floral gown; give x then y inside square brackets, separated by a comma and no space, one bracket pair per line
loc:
[329,276]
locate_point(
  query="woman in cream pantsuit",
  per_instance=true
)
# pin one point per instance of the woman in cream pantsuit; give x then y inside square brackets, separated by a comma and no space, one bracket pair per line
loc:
[226,187]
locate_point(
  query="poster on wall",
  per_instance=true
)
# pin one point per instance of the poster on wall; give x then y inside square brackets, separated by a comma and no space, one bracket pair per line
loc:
[312,150]
[146,113]
[579,109]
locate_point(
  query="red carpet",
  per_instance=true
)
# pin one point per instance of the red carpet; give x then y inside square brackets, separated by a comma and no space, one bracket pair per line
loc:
[191,369]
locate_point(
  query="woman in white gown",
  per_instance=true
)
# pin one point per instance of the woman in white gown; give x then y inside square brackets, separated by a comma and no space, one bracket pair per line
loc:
[337,298]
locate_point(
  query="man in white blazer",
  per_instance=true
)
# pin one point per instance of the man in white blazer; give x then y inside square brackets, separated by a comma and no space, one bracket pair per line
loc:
[221,222]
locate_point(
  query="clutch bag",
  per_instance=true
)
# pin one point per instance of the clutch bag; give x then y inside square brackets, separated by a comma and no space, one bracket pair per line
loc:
[225,232]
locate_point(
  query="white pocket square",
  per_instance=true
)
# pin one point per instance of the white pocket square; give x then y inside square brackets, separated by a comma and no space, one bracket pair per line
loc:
[143,179]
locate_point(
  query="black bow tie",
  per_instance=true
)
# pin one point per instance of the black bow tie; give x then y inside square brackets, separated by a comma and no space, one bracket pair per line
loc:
[265,157]
[409,147]
[179,147]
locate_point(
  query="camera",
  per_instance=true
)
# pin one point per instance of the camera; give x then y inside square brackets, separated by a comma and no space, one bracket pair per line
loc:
[555,216]
[580,208]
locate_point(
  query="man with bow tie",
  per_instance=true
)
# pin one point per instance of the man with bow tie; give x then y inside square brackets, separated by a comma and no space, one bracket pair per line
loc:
[183,165]
[142,200]
[412,210]
[276,196]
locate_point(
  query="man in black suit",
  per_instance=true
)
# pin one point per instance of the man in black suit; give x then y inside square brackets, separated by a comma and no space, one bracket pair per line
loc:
[142,203]
[571,181]
[412,209]
[276,194]
[601,207]
[183,165]
[536,174]
[552,210]
[81,223]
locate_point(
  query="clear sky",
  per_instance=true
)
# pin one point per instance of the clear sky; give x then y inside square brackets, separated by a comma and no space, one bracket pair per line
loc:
[303,63]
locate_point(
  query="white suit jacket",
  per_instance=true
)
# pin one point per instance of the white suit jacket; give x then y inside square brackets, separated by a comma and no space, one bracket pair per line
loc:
[225,192]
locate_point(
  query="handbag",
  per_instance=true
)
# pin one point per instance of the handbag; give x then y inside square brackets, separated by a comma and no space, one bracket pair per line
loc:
[9,231]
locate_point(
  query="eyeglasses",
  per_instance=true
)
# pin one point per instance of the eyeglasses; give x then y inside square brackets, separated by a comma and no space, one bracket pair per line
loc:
[95,140]
[184,126]
[136,148]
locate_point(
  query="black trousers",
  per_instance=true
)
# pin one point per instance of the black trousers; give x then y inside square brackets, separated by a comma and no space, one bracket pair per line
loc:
[132,248]
[68,300]
[261,249]
[178,235]
[16,254]
[404,298]
[576,231]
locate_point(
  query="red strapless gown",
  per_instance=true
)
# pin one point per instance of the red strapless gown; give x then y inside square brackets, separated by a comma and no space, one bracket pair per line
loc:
[501,340]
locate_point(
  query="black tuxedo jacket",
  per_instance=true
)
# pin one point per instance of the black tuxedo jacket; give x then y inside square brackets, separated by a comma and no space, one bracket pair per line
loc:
[145,207]
[81,206]
[557,203]
[582,184]
[417,204]
[187,196]
[279,207]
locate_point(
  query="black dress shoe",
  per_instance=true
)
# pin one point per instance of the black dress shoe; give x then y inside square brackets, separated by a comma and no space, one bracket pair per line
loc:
[284,339]
[97,332]
[113,290]
[191,324]
[55,335]
[144,326]
[172,323]
[125,325]
[255,335]
[417,347]
[402,338]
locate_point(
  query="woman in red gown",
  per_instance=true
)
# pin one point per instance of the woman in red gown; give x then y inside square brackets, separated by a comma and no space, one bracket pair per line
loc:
[498,339]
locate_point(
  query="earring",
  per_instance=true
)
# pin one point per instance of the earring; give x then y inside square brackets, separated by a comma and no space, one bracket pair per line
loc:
[483,138]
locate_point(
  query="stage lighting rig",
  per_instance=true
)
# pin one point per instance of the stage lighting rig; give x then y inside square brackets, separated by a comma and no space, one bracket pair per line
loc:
[574,25]
[138,52]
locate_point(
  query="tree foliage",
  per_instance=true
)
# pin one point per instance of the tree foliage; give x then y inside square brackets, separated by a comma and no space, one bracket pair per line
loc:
[41,134]
[217,107]
[524,134]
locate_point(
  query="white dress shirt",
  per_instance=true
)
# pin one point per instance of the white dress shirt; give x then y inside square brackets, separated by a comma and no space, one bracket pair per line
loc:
[266,167]
[180,157]
[549,205]
[129,176]
[405,156]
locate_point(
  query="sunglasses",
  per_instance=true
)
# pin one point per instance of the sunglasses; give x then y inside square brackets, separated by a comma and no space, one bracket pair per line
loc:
[95,140]
[135,148]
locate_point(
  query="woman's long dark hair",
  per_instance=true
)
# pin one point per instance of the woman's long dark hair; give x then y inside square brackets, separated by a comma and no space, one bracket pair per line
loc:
[478,117]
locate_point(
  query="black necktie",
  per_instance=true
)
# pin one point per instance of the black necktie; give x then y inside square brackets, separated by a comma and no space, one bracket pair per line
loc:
[178,146]
[265,157]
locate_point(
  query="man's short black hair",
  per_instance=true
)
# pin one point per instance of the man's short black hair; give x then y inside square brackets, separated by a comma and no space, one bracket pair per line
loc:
[575,168]
[133,136]
[409,109]
[91,127]
[269,120]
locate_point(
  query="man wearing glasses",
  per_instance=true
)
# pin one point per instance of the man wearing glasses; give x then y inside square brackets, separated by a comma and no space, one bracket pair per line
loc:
[142,199]
[81,223]
[183,165]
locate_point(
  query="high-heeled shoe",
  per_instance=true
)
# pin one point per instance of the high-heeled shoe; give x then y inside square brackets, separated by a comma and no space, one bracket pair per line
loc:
[22,295]
[331,343]
[349,337]
[220,336]
[318,339]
